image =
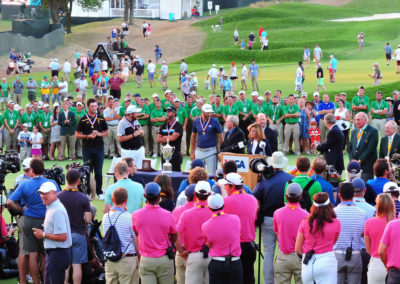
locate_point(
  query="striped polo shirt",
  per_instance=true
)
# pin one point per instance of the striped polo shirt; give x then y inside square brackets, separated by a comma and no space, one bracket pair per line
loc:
[352,220]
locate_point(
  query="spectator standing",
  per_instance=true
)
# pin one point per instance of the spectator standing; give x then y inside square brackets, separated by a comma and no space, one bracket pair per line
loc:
[63,88]
[11,123]
[164,75]
[115,83]
[343,116]
[306,56]
[319,233]
[157,53]
[317,55]
[254,74]
[18,88]
[324,108]
[292,127]
[66,120]
[397,56]
[213,76]
[333,66]
[124,270]
[55,132]
[112,118]
[5,91]
[77,205]
[67,70]
[157,118]
[31,85]
[377,76]
[393,189]
[360,103]
[36,141]
[151,69]
[320,78]
[54,67]
[287,221]
[270,194]
[81,85]
[390,143]
[388,53]
[382,172]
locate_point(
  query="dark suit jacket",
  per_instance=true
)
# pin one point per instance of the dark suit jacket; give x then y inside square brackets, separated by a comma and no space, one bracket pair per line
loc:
[272,138]
[366,152]
[236,137]
[265,150]
[383,149]
[333,148]
[67,129]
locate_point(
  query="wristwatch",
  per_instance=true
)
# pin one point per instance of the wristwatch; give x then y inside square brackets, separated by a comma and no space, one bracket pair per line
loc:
[44,235]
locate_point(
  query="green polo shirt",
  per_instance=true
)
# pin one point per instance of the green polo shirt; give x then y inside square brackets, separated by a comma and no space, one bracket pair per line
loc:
[122,111]
[189,108]
[245,106]
[45,119]
[157,113]
[218,110]
[379,106]
[267,104]
[361,102]
[1,120]
[11,117]
[275,112]
[79,114]
[195,112]
[259,109]
[181,115]
[30,119]
[145,110]
[291,110]
[303,180]
[4,87]
[230,110]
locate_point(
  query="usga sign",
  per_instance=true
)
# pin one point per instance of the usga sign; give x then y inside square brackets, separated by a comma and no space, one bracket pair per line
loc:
[241,162]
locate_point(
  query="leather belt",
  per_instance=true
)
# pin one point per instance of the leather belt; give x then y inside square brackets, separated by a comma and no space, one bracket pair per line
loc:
[130,254]
[222,258]
[344,252]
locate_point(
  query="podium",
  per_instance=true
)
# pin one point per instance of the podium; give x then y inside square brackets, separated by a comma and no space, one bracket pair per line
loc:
[242,162]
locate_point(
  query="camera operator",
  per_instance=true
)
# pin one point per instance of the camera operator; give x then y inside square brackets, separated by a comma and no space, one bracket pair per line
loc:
[270,194]
[319,168]
[34,213]
[5,235]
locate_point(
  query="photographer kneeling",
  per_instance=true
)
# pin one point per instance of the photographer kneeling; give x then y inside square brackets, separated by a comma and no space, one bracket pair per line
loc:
[4,234]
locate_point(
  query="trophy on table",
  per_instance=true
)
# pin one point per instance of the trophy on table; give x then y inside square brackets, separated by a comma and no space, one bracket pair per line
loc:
[167,152]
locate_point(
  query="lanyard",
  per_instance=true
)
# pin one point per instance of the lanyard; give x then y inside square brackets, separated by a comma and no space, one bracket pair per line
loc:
[202,125]
[348,203]
[131,124]
[172,126]
[390,142]
[238,192]
[29,116]
[274,109]
[218,214]
[201,206]
[92,122]
[359,135]
[290,110]
[293,207]
[46,117]
[118,209]
[379,105]
[71,189]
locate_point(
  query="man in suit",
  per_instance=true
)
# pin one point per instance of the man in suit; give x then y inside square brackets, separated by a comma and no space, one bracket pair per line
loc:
[390,144]
[332,148]
[270,135]
[233,136]
[66,120]
[363,145]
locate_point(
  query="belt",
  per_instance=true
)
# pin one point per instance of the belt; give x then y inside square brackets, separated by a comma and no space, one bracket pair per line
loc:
[205,149]
[132,149]
[222,258]
[394,268]
[291,122]
[112,125]
[130,255]
[55,249]
[344,252]
[194,251]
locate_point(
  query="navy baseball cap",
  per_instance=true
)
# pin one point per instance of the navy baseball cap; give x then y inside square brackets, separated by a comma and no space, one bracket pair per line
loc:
[358,184]
[189,191]
[171,108]
[152,189]
[197,163]
[354,167]
[137,95]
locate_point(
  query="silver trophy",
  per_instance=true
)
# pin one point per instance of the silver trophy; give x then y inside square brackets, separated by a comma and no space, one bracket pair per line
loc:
[167,152]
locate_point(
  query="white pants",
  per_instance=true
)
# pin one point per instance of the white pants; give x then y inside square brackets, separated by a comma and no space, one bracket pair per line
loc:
[197,268]
[279,130]
[322,268]
[380,125]
[136,155]
[376,271]
[211,161]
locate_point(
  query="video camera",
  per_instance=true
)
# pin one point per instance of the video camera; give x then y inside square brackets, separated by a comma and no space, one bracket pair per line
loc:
[261,166]
[395,165]
[55,173]
[84,170]
[332,176]
[9,163]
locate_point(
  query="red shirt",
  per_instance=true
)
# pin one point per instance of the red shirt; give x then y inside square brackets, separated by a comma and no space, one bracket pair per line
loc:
[245,207]
[320,243]
[94,78]
[223,234]
[390,238]
[152,224]
[115,83]
[190,223]
[3,228]
[286,225]
[374,229]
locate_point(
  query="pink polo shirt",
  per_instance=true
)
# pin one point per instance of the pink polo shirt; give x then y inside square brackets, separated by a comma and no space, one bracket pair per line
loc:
[286,225]
[390,238]
[320,243]
[223,234]
[245,207]
[177,213]
[152,224]
[374,229]
[190,223]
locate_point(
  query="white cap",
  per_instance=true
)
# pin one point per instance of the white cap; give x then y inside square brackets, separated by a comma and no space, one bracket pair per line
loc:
[242,92]
[28,105]
[131,109]
[331,56]
[214,65]
[199,101]
[167,91]
[47,105]
[164,62]
[127,99]
[232,178]
[17,107]
[207,108]
[177,100]
[316,94]
[390,187]
[278,160]
[25,125]
[193,92]
[215,201]
[254,94]
[202,187]
[260,98]
[155,95]
[193,74]
[26,164]
[47,187]
[304,94]
[79,103]
[56,104]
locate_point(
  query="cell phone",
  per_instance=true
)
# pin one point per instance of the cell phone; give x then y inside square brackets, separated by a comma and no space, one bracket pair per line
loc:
[349,252]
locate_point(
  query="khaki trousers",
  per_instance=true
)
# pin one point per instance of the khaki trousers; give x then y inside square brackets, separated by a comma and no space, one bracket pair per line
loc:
[25,152]
[146,138]
[278,128]
[286,266]
[323,129]
[380,125]
[154,132]
[254,83]
[78,148]
[180,266]
[156,270]
[124,271]
[292,129]
[11,139]
[183,143]
[64,140]
[110,140]
[17,98]
[197,268]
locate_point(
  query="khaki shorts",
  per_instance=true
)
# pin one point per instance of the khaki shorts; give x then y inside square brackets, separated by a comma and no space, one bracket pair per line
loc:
[163,78]
[29,242]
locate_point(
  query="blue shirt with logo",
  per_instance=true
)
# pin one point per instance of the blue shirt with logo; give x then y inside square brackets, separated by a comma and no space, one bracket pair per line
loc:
[325,106]
[253,70]
[209,138]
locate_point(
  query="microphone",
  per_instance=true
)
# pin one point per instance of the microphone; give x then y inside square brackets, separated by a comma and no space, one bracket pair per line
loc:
[262,146]
[241,144]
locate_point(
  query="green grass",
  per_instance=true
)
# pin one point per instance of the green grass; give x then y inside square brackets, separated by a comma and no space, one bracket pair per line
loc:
[5,25]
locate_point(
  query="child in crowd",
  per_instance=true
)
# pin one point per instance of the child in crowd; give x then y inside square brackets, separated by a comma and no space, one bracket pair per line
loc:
[315,135]
[242,45]
[36,141]
[23,139]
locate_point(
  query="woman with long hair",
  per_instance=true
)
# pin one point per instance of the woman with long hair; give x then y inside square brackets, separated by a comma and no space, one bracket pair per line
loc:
[343,117]
[55,132]
[257,143]
[373,231]
[167,192]
[315,239]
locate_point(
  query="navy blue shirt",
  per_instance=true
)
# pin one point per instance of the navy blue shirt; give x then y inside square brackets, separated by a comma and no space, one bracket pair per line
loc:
[209,139]
[325,106]
[27,191]
[326,187]
[270,192]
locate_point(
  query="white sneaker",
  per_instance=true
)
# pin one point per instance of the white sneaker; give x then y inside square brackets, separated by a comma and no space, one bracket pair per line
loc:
[100,197]
[155,155]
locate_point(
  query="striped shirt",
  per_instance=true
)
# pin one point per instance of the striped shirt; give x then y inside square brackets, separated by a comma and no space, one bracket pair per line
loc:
[124,229]
[352,220]
[397,204]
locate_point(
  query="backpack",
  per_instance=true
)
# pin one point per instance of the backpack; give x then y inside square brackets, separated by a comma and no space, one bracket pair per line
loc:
[111,244]
[305,201]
